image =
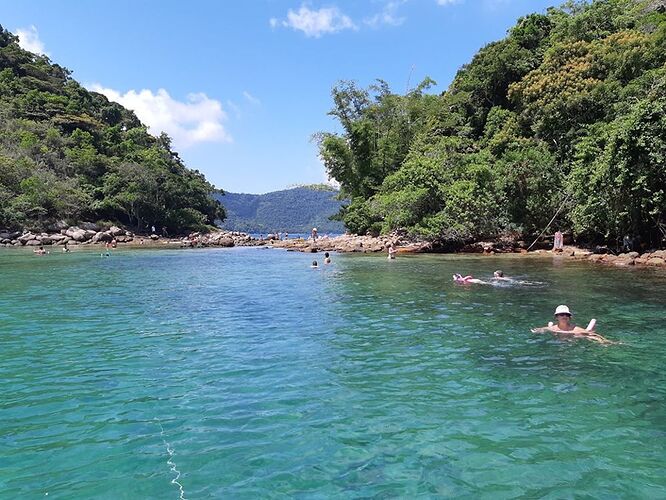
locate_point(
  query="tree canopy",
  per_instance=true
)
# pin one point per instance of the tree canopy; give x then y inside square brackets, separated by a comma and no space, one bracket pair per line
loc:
[70,154]
[294,210]
[566,111]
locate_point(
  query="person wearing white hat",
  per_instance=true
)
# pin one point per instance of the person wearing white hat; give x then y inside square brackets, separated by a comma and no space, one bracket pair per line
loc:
[564,325]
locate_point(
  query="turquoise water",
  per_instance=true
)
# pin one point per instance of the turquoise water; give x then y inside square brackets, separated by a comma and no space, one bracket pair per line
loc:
[242,373]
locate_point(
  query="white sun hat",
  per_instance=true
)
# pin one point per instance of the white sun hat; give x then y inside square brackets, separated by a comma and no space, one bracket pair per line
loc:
[562,310]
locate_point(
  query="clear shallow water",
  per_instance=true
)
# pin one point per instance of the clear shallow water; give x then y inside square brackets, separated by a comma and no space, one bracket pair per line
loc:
[242,373]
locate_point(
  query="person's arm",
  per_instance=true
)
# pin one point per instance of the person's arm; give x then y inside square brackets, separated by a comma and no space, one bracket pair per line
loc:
[598,338]
[544,329]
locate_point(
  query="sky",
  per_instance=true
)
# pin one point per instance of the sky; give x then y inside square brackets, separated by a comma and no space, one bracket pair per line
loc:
[241,86]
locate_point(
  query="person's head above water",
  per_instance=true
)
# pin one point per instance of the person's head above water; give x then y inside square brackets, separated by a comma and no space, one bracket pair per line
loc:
[314,264]
[499,274]
[563,315]
[326,255]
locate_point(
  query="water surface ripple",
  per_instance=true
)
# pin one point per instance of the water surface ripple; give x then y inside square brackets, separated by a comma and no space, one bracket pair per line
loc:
[242,373]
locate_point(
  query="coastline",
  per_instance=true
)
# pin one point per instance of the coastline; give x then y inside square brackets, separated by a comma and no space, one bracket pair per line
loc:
[88,234]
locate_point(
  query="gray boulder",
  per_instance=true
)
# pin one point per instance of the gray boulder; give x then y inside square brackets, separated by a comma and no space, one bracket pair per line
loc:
[23,239]
[101,237]
[77,234]
[9,235]
[116,231]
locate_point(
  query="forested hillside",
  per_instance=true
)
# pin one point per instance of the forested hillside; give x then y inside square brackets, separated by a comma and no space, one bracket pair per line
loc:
[295,210]
[565,117]
[70,154]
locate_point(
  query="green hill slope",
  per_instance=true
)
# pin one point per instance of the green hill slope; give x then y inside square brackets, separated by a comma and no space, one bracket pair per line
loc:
[565,117]
[295,210]
[70,154]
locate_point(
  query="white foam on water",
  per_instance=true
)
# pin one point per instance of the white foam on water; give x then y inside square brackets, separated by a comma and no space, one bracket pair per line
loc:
[171,463]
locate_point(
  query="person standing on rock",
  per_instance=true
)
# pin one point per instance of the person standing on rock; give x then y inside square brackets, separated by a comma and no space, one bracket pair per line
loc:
[314,234]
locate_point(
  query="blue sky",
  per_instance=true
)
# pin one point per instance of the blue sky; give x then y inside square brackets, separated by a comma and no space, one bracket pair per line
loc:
[241,86]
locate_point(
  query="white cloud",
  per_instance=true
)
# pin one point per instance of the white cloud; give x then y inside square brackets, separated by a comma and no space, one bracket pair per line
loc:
[251,98]
[388,15]
[197,119]
[29,40]
[315,23]
[447,2]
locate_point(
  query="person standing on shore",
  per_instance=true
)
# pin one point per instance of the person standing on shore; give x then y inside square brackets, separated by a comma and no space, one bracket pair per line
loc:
[558,241]
[314,234]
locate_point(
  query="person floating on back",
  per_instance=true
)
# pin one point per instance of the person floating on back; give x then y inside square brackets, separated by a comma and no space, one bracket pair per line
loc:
[564,325]
[459,278]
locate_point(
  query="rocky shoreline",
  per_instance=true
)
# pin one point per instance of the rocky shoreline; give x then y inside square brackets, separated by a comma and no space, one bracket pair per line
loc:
[73,235]
[92,234]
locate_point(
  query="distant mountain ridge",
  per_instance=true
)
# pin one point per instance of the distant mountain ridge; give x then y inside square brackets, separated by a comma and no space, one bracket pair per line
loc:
[295,210]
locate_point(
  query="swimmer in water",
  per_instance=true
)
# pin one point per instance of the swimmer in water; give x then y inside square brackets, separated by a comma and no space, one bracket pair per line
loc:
[499,276]
[314,265]
[564,325]
[459,278]
[327,258]
[391,252]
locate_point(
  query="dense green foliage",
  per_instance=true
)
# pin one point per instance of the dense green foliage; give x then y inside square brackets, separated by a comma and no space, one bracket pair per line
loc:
[295,210]
[568,111]
[70,154]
